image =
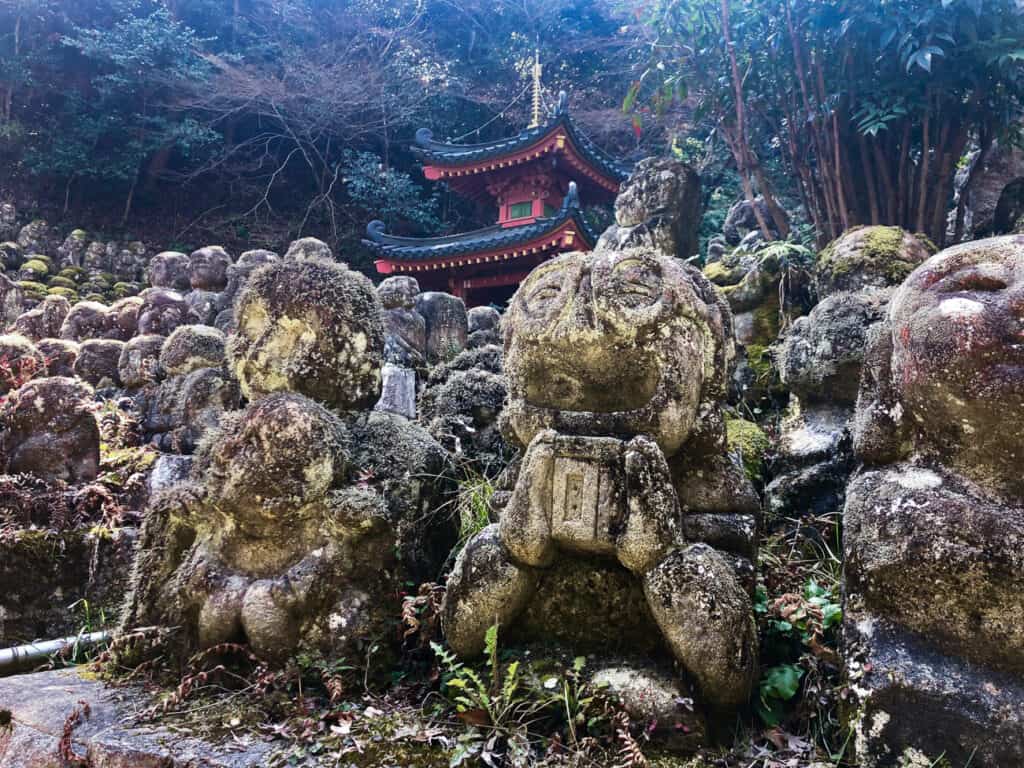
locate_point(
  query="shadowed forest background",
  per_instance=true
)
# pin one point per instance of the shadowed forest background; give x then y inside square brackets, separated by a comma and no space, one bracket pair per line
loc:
[251,122]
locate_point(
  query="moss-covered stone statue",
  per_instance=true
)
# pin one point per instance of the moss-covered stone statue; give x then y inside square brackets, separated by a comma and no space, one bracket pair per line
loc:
[298,523]
[617,365]
[934,523]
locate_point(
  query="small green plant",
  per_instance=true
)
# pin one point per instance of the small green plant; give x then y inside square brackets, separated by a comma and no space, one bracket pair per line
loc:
[496,702]
[778,685]
[475,494]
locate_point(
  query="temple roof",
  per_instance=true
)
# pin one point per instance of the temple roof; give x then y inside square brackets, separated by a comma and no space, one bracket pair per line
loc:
[493,238]
[437,153]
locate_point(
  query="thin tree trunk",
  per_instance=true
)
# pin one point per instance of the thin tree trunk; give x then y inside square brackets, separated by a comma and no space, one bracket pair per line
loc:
[904,195]
[742,155]
[869,178]
[882,167]
[922,198]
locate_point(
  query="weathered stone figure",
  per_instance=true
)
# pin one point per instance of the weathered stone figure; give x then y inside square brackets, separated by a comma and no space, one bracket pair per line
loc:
[405,345]
[296,517]
[616,366]
[934,524]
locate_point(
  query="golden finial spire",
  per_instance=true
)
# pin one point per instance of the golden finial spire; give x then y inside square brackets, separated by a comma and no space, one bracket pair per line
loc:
[537,70]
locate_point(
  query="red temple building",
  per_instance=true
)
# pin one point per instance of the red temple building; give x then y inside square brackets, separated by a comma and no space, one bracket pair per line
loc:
[535,181]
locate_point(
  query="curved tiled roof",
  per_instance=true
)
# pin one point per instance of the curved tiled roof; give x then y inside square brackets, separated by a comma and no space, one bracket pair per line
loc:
[441,153]
[491,238]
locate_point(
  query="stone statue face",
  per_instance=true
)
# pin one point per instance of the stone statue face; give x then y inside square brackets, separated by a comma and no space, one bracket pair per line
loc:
[610,343]
[958,346]
[208,268]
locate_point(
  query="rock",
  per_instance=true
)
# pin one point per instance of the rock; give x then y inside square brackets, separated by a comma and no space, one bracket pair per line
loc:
[190,347]
[869,257]
[168,471]
[12,299]
[398,391]
[38,237]
[203,304]
[162,311]
[821,355]
[657,701]
[741,220]
[45,320]
[20,361]
[170,269]
[60,355]
[124,318]
[71,252]
[97,362]
[40,704]
[988,203]
[50,431]
[484,327]
[447,325]
[309,248]
[85,320]
[659,206]
[208,268]
[938,512]
[610,469]
[311,327]
[139,364]
[916,704]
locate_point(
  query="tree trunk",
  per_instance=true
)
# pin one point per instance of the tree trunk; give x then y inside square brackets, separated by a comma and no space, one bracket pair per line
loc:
[742,153]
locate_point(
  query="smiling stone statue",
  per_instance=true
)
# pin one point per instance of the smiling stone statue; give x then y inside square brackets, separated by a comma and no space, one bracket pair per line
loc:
[616,364]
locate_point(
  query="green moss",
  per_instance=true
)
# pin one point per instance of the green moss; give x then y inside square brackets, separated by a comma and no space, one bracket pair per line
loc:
[68,293]
[72,273]
[96,297]
[32,289]
[750,441]
[927,243]
[121,290]
[767,323]
[35,266]
[719,274]
[61,282]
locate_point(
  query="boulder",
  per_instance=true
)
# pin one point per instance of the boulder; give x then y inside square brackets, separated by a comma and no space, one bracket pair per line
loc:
[49,430]
[97,362]
[162,311]
[45,320]
[190,347]
[60,355]
[20,361]
[869,257]
[309,248]
[139,364]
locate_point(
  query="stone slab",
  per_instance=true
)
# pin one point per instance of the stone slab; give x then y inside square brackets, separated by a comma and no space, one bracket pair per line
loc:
[39,705]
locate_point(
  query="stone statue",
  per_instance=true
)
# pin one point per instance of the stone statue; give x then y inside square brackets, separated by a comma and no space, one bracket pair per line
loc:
[405,345]
[617,365]
[934,523]
[298,522]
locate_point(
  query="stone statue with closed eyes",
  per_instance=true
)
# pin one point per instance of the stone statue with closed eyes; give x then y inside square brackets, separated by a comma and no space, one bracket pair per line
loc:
[617,362]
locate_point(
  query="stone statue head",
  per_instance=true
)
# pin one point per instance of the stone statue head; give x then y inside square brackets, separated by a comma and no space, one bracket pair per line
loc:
[946,373]
[208,268]
[617,343]
[398,292]
[312,327]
